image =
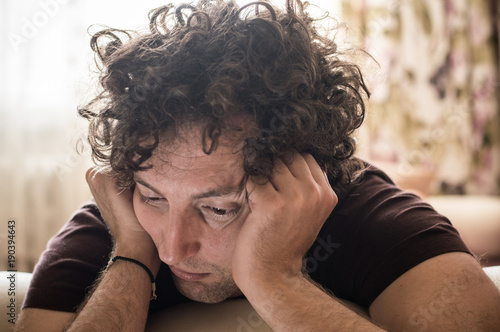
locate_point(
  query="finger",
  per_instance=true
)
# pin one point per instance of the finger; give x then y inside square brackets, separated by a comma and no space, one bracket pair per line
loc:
[290,172]
[298,166]
[306,166]
[320,176]
[257,184]
[96,170]
[282,178]
[292,175]
[91,173]
[316,171]
[259,190]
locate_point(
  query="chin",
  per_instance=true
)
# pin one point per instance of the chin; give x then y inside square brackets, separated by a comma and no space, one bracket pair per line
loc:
[212,293]
[204,297]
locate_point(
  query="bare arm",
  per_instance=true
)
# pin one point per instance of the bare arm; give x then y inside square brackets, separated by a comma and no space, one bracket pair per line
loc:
[296,304]
[288,212]
[449,292]
[119,303]
[446,293]
[120,300]
[32,319]
[286,215]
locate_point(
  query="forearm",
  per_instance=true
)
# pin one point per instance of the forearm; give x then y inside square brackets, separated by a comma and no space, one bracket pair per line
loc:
[120,302]
[296,304]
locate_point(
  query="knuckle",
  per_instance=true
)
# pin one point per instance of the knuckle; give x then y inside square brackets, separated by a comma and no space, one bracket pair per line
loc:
[279,204]
[92,175]
[315,195]
[332,199]
[88,174]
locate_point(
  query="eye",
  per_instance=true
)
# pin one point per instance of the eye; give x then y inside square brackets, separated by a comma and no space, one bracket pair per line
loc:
[218,211]
[151,200]
[216,214]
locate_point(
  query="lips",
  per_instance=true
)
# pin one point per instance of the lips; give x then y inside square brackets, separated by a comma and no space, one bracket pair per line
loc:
[188,276]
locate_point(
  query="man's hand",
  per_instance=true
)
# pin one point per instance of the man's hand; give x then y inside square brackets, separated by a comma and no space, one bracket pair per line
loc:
[286,216]
[115,205]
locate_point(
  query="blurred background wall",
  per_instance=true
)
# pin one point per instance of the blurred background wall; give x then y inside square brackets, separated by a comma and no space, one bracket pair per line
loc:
[434,112]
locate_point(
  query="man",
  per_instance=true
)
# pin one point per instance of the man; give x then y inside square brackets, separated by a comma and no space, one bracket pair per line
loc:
[228,172]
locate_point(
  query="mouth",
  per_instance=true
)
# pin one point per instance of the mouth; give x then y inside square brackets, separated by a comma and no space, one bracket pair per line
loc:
[188,276]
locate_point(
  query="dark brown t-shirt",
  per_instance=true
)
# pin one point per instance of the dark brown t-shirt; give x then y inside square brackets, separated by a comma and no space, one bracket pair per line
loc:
[374,235]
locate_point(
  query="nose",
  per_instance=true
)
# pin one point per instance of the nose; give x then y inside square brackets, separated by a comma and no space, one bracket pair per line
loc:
[180,237]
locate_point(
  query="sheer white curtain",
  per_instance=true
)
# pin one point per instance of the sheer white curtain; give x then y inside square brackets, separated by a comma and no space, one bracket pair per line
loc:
[45,73]
[40,173]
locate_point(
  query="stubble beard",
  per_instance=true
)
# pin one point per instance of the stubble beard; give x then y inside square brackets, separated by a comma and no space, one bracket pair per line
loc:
[213,292]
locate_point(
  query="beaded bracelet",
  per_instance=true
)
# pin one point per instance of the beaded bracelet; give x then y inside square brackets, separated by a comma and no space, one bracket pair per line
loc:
[153,284]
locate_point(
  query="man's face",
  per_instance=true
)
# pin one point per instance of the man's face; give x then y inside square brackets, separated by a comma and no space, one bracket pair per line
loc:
[193,206]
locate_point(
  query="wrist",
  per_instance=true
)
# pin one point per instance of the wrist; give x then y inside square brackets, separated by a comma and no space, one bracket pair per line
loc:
[271,282]
[152,278]
[145,255]
[277,292]
[258,273]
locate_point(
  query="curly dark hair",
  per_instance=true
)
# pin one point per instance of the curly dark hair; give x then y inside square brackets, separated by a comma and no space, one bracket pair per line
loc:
[213,62]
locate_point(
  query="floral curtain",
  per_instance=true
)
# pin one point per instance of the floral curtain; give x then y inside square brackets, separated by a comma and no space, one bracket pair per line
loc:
[435,102]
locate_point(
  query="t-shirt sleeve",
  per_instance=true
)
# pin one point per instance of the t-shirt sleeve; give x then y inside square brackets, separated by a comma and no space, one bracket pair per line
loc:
[376,234]
[71,263]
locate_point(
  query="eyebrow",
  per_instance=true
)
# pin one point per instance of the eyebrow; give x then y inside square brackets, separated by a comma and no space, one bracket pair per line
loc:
[147,185]
[219,192]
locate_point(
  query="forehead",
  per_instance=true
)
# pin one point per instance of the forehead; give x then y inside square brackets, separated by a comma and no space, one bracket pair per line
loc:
[182,157]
